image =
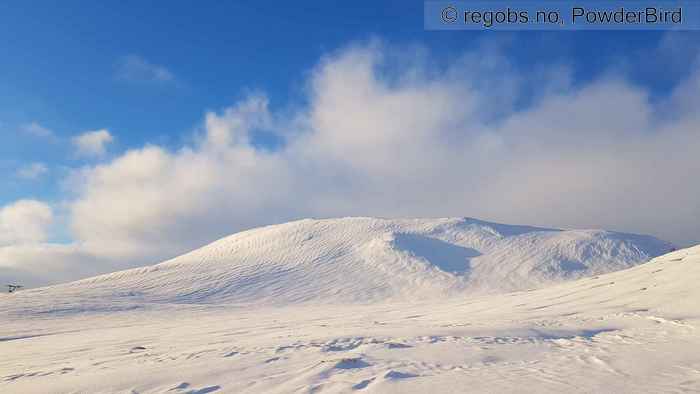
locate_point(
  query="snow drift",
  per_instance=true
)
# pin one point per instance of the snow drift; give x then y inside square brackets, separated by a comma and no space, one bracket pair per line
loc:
[359,260]
[630,331]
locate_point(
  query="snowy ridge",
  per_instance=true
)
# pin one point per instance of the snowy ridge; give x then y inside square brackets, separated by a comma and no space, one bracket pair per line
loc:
[630,331]
[361,260]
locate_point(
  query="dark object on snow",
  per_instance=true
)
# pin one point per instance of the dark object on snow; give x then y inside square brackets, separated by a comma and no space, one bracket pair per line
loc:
[13,288]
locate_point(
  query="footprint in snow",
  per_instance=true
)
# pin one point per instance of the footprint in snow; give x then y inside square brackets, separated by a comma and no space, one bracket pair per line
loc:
[395,345]
[351,363]
[363,384]
[204,390]
[399,375]
[180,386]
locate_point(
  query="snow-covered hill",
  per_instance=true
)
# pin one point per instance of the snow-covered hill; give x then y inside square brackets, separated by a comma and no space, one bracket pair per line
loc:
[358,260]
[632,331]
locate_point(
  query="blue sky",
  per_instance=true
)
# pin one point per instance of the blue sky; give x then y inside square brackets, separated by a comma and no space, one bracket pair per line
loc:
[147,73]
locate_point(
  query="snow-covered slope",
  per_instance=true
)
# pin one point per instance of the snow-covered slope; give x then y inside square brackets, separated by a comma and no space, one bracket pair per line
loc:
[631,331]
[353,260]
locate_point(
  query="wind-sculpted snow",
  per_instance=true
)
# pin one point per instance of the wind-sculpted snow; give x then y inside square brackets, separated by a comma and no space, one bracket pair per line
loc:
[362,260]
[632,331]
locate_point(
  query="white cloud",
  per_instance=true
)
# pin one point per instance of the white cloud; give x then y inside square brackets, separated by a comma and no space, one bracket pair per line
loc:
[93,143]
[386,134]
[24,221]
[32,171]
[37,130]
[136,68]
[172,192]
[39,264]
[408,145]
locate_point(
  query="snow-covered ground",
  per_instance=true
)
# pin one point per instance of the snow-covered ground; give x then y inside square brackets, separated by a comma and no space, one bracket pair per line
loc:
[361,260]
[370,305]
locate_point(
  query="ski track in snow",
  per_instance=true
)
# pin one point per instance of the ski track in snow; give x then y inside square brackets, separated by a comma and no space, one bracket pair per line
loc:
[634,330]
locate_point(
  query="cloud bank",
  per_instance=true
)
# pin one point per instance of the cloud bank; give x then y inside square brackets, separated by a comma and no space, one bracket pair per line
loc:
[23,222]
[383,133]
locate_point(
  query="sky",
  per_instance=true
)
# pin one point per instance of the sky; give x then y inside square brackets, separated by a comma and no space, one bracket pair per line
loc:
[131,132]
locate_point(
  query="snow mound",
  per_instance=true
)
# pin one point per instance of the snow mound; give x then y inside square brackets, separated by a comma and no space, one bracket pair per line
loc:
[362,260]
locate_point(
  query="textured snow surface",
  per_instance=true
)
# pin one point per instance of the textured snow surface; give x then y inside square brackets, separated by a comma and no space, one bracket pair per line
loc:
[636,330]
[631,331]
[361,260]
